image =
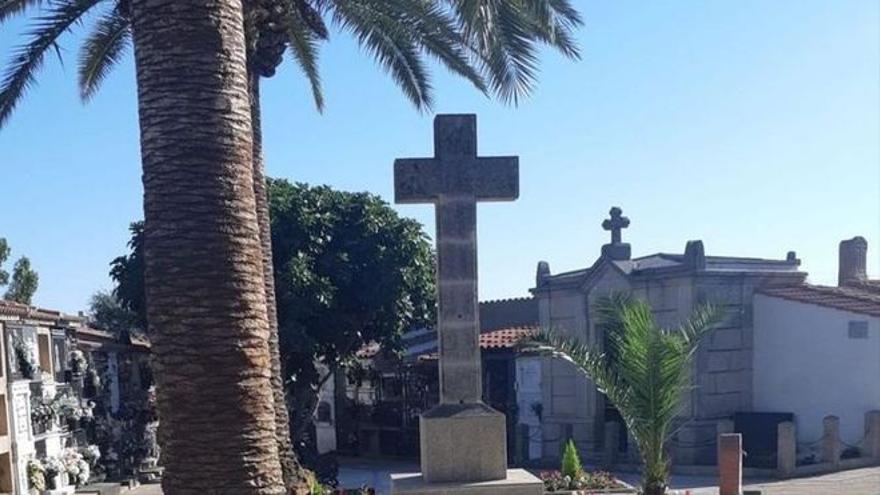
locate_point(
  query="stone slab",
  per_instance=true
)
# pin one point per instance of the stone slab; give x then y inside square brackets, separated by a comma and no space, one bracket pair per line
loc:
[100,489]
[516,482]
[463,442]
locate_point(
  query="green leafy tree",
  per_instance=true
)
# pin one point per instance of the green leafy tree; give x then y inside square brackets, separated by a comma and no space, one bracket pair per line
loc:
[24,282]
[107,312]
[348,271]
[127,271]
[4,255]
[646,377]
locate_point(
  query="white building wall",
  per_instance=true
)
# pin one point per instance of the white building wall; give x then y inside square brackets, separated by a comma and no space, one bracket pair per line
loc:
[325,427]
[529,401]
[806,363]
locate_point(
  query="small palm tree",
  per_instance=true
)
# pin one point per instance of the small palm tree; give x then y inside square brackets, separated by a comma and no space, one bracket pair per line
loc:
[643,374]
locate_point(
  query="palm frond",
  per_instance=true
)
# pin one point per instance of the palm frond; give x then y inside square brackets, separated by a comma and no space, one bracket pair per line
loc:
[391,45]
[504,36]
[643,372]
[311,16]
[27,59]
[702,321]
[435,31]
[553,24]
[590,360]
[10,8]
[499,33]
[102,50]
[304,41]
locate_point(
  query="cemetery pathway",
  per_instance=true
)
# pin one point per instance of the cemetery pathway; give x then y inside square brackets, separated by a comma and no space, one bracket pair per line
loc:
[355,473]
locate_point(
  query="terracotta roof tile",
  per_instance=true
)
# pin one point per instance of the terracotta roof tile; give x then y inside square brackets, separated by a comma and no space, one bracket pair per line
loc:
[504,337]
[12,308]
[857,298]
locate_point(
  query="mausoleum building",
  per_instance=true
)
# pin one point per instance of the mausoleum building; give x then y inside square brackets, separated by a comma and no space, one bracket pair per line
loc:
[556,402]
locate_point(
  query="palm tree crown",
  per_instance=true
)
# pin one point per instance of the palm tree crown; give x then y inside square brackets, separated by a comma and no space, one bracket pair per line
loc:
[491,43]
[643,372]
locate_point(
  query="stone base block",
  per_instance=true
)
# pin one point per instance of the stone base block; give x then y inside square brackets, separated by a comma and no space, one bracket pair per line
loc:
[463,443]
[516,482]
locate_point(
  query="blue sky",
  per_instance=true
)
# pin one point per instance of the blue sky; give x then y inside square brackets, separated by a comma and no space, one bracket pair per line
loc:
[751,125]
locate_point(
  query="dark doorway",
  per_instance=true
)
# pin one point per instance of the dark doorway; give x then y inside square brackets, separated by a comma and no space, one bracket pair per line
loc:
[759,435]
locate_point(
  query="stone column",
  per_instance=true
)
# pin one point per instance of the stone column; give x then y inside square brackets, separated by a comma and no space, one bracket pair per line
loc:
[612,441]
[831,441]
[730,464]
[786,449]
[872,434]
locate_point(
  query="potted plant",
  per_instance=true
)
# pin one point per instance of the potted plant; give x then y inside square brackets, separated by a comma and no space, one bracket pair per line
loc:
[54,469]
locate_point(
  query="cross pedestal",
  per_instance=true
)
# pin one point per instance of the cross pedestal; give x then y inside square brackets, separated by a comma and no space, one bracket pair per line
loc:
[463,441]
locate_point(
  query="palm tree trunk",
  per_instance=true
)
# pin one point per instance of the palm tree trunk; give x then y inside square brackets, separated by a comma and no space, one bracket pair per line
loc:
[206,303]
[294,478]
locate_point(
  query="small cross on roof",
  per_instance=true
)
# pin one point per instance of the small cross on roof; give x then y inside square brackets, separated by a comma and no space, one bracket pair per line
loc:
[615,224]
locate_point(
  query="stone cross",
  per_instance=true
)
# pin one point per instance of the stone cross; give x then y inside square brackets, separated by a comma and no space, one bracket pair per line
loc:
[455,180]
[615,224]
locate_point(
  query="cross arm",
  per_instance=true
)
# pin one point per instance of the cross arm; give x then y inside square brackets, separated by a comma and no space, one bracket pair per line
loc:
[497,178]
[417,180]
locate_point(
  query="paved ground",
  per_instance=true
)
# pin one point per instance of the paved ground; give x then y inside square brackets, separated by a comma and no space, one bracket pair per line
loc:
[355,473]
[146,490]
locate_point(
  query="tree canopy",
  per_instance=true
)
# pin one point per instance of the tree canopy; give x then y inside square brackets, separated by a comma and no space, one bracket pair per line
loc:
[348,271]
[107,312]
[25,280]
[127,271]
[4,255]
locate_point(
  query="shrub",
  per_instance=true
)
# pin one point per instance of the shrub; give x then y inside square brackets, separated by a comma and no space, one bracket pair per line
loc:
[571,461]
[599,480]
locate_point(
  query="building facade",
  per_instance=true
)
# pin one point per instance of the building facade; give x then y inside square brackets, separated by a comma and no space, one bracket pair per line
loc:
[53,378]
[817,351]
[558,403]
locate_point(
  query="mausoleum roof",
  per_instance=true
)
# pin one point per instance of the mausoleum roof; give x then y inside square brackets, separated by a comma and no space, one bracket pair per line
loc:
[18,310]
[863,298]
[659,264]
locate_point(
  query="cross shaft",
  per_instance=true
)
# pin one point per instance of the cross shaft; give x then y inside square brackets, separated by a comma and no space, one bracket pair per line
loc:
[454,180]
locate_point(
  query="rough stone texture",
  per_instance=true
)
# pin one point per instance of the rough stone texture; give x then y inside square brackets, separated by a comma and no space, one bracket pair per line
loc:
[454,180]
[465,442]
[831,440]
[786,449]
[852,266]
[872,434]
[730,464]
[612,441]
[673,286]
[516,482]
[462,440]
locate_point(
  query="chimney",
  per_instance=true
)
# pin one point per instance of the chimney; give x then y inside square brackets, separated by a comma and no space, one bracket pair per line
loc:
[542,273]
[853,259]
[695,255]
